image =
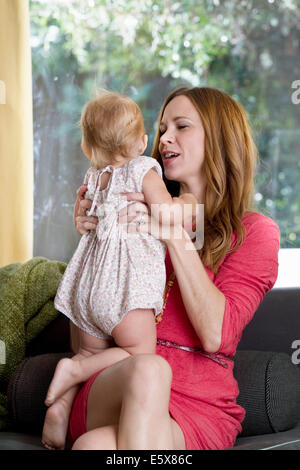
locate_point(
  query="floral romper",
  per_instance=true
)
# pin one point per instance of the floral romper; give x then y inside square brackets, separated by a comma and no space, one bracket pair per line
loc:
[112,271]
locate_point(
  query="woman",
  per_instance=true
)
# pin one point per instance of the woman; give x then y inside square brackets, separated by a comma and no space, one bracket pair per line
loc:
[184,397]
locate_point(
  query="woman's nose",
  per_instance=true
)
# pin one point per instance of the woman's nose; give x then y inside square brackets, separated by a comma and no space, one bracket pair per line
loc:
[166,137]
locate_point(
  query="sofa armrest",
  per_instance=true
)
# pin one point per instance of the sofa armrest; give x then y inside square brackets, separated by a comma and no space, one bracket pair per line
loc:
[27,391]
[276,323]
[269,385]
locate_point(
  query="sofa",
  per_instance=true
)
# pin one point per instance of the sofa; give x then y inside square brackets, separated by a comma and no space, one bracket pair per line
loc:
[267,369]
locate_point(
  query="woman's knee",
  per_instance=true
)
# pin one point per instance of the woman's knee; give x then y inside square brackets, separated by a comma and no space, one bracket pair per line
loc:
[149,375]
[103,438]
[82,443]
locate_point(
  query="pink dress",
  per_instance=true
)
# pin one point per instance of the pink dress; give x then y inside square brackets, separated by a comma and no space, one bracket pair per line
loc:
[112,272]
[204,391]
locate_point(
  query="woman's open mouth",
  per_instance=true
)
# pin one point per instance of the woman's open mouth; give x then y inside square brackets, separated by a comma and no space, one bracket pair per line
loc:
[169,157]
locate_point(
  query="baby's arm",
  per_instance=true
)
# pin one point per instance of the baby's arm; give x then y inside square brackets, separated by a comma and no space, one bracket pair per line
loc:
[182,208]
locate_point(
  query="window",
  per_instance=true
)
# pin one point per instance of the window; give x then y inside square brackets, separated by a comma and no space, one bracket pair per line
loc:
[250,49]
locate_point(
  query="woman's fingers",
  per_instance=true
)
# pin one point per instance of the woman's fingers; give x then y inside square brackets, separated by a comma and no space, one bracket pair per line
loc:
[81,191]
[142,222]
[133,209]
[136,218]
[86,223]
[152,227]
[84,205]
[83,223]
[134,196]
[132,212]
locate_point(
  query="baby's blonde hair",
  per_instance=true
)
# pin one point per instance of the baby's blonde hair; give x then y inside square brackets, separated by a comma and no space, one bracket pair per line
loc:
[111,124]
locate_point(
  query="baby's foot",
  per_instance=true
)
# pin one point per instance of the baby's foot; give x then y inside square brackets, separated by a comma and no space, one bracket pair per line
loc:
[56,426]
[66,375]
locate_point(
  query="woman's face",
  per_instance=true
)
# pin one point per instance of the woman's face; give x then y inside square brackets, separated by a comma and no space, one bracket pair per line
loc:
[182,133]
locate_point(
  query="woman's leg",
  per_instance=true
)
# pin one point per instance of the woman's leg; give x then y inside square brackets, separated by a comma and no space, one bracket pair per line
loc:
[133,395]
[104,438]
[145,422]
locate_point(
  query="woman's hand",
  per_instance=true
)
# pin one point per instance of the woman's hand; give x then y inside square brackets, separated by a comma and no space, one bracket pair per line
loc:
[137,218]
[135,212]
[83,223]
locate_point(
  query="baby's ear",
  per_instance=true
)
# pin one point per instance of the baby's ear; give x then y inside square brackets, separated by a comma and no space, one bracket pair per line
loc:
[144,143]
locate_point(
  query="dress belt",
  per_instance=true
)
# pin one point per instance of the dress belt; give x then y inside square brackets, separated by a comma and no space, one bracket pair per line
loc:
[216,357]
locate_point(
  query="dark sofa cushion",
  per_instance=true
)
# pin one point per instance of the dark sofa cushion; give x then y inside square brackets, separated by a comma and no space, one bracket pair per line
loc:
[269,385]
[27,391]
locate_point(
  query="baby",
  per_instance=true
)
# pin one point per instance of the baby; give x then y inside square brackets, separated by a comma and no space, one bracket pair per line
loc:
[112,289]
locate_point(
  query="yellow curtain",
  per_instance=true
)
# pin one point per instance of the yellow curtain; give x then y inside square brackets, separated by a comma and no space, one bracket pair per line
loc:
[16,133]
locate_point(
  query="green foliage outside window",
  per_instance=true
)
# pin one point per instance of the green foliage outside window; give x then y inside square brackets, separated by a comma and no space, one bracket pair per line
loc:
[250,49]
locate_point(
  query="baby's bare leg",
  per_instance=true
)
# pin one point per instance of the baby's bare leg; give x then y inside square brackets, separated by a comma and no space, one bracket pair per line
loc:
[57,416]
[136,333]
[57,420]
[78,369]
[94,355]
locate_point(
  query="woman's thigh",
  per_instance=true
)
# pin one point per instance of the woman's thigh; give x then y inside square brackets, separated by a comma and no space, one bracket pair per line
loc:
[109,388]
[104,438]
[105,396]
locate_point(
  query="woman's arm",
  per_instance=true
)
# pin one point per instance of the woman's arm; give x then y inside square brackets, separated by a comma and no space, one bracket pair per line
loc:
[220,310]
[203,301]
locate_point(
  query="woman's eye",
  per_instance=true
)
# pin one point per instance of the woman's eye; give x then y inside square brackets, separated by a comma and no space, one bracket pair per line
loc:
[183,126]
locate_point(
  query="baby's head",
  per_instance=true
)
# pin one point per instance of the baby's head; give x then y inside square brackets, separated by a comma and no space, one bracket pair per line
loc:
[112,128]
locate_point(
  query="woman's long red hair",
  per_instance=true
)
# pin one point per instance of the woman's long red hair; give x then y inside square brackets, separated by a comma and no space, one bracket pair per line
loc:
[230,160]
